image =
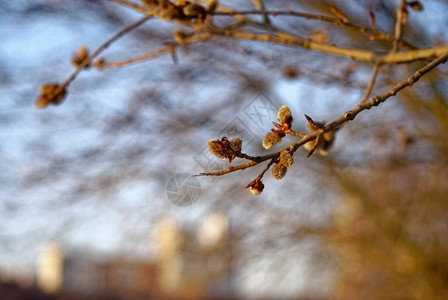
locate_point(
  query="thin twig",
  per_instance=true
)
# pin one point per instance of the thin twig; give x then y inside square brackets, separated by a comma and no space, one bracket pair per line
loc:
[323,18]
[353,53]
[231,169]
[398,24]
[338,122]
[371,83]
[131,5]
[153,54]
[138,59]
[88,60]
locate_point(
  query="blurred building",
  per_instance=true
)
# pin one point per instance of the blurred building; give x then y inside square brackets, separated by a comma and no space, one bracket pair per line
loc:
[49,273]
[190,263]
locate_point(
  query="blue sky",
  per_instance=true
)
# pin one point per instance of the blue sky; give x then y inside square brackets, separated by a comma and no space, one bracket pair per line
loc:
[38,50]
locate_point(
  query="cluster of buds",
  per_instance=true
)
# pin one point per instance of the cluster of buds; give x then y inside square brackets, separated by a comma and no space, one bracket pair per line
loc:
[284,161]
[224,148]
[180,10]
[50,93]
[281,160]
[275,136]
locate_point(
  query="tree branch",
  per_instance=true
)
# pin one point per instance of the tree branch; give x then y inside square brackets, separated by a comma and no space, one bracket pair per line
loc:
[338,122]
[371,83]
[88,60]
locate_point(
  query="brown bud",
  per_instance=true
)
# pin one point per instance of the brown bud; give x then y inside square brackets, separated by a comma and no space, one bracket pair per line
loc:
[166,11]
[271,139]
[279,171]
[286,159]
[236,144]
[80,56]
[179,37]
[215,148]
[284,114]
[50,93]
[256,186]
[193,10]
[415,5]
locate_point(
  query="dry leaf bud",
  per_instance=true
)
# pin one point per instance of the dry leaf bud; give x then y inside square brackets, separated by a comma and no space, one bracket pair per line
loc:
[214,148]
[99,63]
[167,11]
[236,144]
[193,10]
[415,5]
[279,171]
[284,114]
[80,56]
[271,139]
[286,158]
[256,187]
[50,93]
[179,37]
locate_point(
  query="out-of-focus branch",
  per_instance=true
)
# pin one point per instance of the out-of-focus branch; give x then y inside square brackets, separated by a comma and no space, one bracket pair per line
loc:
[353,53]
[333,20]
[371,83]
[130,5]
[97,52]
[401,10]
[153,54]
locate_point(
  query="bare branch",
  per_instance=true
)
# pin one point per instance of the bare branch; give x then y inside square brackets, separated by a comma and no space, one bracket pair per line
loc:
[374,32]
[371,83]
[401,10]
[87,61]
[358,54]
[130,5]
[338,122]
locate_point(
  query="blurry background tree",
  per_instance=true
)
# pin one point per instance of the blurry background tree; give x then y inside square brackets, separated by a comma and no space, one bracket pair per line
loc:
[367,221]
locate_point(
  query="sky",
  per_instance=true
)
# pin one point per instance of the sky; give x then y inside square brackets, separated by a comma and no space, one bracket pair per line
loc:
[33,50]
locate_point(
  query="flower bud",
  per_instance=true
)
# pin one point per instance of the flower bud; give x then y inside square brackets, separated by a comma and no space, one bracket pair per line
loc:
[279,171]
[286,158]
[256,186]
[284,114]
[271,139]
[236,144]
[214,148]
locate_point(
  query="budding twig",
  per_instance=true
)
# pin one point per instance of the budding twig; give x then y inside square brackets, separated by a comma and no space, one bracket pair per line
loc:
[88,60]
[332,126]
